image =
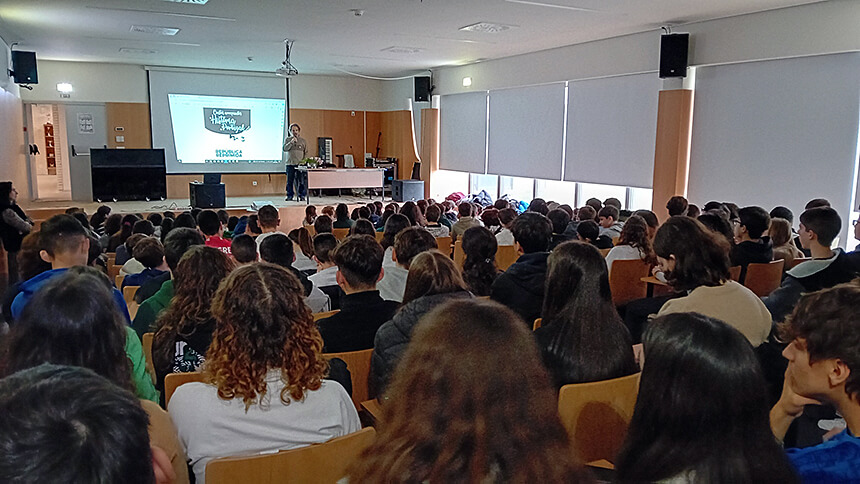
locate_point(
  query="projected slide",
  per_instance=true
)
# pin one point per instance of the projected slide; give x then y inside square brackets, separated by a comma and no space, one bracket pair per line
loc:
[219,130]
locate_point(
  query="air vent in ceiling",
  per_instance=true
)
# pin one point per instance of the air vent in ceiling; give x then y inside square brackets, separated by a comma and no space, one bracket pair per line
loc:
[487,28]
[154,29]
[133,51]
[402,50]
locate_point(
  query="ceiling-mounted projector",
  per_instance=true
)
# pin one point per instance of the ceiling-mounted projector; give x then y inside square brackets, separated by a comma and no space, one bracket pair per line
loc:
[287,69]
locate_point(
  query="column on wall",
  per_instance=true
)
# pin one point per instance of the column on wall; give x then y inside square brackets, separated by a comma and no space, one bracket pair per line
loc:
[672,147]
[429,146]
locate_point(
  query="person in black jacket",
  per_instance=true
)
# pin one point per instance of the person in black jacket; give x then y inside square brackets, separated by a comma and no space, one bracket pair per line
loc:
[521,287]
[589,231]
[362,310]
[433,280]
[752,247]
[14,225]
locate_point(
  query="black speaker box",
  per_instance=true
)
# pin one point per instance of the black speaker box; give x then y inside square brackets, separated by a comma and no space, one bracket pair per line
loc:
[422,89]
[406,190]
[207,196]
[673,55]
[24,66]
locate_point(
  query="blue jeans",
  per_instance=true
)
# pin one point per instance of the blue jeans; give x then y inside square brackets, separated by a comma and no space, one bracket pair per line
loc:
[296,177]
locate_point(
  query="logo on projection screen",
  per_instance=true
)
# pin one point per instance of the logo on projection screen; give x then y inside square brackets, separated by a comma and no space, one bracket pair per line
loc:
[226,120]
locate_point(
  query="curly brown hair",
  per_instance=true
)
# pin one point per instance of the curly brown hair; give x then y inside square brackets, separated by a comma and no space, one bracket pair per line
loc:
[198,274]
[635,234]
[262,323]
[461,409]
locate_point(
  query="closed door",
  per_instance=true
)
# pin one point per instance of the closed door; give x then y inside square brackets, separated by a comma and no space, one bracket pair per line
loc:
[86,127]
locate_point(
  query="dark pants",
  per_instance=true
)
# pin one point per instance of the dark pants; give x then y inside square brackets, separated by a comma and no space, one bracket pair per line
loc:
[12,266]
[296,177]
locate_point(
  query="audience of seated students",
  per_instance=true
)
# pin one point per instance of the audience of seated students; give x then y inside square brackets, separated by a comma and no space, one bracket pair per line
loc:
[150,253]
[14,226]
[264,389]
[413,213]
[325,277]
[677,206]
[393,226]
[696,260]
[752,245]
[230,226]
[156,219]
[693,211]
[124,252]
[449,217]
[122,233]
[583,214]
[650,219]
[781,238]
[538,205]
[112,225]
[362,311]
[269,220]
[185,328]
[490,219]
[607,218]
[560,220]
[175,245]
[461,409]
[303,247]
[278,249]
[30,265]
[323,224]
[589,231]
[433,214]
[479,266]
[78,427]
[633,244]
[717,222]
[433,280]
[186,220]
[408,243]
[64,244]
[98,219]
[701,413]
[465,221]
[244,249]
[521,286]
[71,318]
[787,214]
[167,225]
[341,217]
[506,218]
[363,226]
[823,368]
[213,230]
[132,265]
[374,214]
[818,227]
[254,225]
[582,338]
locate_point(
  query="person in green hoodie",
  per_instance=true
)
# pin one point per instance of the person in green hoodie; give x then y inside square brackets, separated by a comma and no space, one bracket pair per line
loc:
[178,242]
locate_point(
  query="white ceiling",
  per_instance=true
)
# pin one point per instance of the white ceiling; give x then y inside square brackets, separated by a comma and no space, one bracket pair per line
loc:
[328,37]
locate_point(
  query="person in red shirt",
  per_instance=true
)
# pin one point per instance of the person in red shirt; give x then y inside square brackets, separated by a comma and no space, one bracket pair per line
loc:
[212,228]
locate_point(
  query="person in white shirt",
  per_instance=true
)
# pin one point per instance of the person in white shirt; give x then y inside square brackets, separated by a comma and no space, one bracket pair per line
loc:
[634,243]
[393,226]
[433,226]
[269,220]
[506,217]
[325,278]
[263,387]
[303,247]
[408,243]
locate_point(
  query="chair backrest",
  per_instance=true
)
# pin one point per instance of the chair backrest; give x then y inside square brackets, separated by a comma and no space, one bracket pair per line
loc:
[118,280]
[325,463]
[506,255]
[537,324]
[379,236]
[340,234]
[147,353]
[459,255]
[128,293]
[762,279]
[444,245]
[172,381]
[796,261]
[113,271]
[615,240]
[358,364]
[597,414]
[735,273]
[625,280]
[605,252]
[324,314]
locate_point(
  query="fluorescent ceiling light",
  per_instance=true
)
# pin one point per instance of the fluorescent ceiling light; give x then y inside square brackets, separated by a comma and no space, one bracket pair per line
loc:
[64,87]
[553,5]
[401,50]
[154,29]
[487,28]
[193,2]
[467,81]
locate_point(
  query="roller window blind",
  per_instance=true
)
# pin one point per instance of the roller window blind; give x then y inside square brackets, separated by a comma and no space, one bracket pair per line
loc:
[463,132]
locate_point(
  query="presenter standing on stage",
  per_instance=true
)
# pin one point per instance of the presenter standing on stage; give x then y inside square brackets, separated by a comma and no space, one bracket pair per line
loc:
[297,150]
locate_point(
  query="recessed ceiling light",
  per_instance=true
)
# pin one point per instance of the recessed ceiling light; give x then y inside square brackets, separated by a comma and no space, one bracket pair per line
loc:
[553,5]
[402,50]
[487,27]
[193,2]
[154,29]
[64,87]
[132,50]
[467,81]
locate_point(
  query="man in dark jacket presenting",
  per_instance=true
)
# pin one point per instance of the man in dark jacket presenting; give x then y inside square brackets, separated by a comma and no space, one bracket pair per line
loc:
[521,286]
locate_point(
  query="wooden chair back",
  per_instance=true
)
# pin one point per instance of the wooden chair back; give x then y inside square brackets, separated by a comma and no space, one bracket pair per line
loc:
[625,280]
[111,257]
[172,381]
[796,261]
[147,353]
[358,364]
[615,240]
[311,230]
[128,293]
[324,463]
[118,280]
[735,273]
[604,252]
[324,314]
[444,245]
[597,414]
[762,279]
[459,255]
[506,255]
[340,234]
[537,324]
[113,271]
[379,236]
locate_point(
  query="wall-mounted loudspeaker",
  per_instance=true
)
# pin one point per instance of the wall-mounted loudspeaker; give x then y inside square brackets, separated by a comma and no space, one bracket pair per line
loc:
[422,89]
[24,67]
[673,55]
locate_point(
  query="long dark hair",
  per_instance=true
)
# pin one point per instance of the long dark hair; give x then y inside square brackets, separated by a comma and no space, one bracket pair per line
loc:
[584,338]
[479,268]
[303,238]
[702,408]
[701,256]
[411,211]
[75,321]
[395,223]
[127,227]
[635,234]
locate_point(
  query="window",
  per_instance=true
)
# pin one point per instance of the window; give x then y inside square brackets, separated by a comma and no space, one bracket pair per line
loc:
[600,192]
[488,183]
[444,183]
[522,189]
[556,191]
[640,198]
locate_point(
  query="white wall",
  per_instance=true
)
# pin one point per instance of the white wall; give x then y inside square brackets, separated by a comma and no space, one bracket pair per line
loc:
[825,27]
[13,165]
